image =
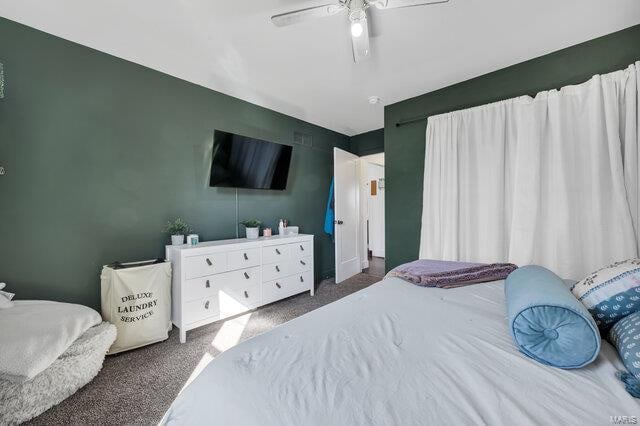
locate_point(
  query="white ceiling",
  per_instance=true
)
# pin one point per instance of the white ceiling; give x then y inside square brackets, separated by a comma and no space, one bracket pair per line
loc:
[306,70]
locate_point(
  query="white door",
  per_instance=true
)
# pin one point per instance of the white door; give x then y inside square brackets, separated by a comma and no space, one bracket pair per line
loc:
[347,213]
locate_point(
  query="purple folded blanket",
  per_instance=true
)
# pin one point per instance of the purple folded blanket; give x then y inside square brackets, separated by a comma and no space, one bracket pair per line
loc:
[448,274]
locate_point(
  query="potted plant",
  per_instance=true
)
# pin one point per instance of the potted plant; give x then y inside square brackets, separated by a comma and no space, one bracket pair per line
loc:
[252,227]
[177,228]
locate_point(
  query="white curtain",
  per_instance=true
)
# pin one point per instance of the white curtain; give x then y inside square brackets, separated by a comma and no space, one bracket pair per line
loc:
[550,180]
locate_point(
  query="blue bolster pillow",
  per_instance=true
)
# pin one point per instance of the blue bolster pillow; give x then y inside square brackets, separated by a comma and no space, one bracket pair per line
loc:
[547,322]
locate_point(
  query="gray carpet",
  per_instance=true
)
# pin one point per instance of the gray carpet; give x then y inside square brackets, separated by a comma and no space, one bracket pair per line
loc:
[137,387]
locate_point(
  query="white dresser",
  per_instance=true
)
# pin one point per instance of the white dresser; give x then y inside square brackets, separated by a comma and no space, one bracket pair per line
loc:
[218,279]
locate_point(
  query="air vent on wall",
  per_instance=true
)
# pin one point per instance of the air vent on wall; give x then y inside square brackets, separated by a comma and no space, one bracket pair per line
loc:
[302,139]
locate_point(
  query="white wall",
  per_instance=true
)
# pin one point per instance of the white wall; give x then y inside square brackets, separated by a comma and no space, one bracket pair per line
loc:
[376,211]
[371,207]
[364,211]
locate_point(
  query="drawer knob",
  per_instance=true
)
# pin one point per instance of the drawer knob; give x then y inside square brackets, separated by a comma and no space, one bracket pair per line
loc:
[208,284]
[246,275]
[302,261]
[278,285]
[209,262]
[301,248]
[246,295]
[206,304]
[301,279]
[277,251]
[246,257]
[277,268]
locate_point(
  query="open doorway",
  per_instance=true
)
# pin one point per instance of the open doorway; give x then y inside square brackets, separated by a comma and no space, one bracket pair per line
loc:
[372,196]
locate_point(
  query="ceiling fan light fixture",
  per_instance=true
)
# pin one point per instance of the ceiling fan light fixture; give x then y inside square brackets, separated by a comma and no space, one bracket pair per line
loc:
[357,18]
[357,9]
[356,29]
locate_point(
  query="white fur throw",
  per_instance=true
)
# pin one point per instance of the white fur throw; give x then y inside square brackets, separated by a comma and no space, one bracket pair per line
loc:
[36,332]
[5,297]
[76,367]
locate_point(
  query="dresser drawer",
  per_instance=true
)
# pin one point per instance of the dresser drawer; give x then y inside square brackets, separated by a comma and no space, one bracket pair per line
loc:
[239,298]
[202,309]
[279,289]
[243,259]
[302,264]
[241,277]
[272,254]
[303,280]
[200,266]
[277,270]
[302,249]
[199,288]
[239,292]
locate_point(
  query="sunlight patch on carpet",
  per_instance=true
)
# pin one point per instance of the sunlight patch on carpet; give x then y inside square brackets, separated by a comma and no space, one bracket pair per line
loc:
[204,361]
[230,333]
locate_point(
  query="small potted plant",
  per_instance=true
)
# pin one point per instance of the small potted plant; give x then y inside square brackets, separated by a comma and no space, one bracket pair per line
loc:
[252,227]
[177,228]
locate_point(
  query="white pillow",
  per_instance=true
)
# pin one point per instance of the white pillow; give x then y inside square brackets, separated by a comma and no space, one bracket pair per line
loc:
[5,303]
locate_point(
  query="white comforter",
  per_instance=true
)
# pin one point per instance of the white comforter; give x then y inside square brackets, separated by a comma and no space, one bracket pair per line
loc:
[398,354]
[34,333]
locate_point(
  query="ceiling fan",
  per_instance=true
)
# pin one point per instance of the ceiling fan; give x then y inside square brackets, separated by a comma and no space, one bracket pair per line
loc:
[357,13]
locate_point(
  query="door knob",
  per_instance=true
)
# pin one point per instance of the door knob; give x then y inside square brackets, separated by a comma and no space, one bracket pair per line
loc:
[338,222]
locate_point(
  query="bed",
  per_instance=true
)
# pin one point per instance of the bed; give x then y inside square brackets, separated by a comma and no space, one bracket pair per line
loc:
[395,353]
[48,350]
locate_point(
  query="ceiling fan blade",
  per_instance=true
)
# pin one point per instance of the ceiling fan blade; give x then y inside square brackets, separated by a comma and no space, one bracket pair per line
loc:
[375,24]
[361,43]
[301,15]
[395,4]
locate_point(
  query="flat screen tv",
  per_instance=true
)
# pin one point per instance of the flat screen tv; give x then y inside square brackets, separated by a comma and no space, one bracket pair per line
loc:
[242,162]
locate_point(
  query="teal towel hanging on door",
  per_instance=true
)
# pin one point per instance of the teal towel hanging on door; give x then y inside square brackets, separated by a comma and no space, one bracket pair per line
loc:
[330,215]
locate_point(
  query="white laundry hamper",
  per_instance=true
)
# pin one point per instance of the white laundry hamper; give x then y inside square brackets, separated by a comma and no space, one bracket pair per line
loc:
[136,298]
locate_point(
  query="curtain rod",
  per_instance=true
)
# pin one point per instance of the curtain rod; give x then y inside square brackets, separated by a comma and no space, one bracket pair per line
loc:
[411,120]
[533,95]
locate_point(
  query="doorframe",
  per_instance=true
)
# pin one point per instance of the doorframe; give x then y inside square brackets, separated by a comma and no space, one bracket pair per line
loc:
[364,205]
[363,216]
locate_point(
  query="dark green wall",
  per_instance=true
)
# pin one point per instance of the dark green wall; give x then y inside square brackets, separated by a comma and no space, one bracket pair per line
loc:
[100,152]
[404,145]
[368,143]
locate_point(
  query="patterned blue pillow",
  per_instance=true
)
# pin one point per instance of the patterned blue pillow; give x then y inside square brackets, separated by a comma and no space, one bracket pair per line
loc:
[611,293]
[625,336]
